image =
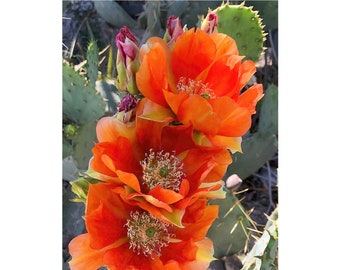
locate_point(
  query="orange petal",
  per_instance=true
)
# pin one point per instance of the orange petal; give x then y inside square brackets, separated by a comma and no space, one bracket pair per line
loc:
[177,138]
[102,193]
[153,73]
[250,97]
[225,44]
[109,157]
[235,120]
[151,119]
[247,70]
[129,179]
[175,100]
[204,255]
[197,220]
[192,53]
[148,202]
[84,257]
[124,258]
[165,195]
[198,111]
[148,109]
[110,128]
[220,77]
[187,250]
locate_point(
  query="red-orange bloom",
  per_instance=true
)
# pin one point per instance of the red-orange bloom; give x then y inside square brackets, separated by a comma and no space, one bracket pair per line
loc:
[200,80]
[159,168]
[122,236]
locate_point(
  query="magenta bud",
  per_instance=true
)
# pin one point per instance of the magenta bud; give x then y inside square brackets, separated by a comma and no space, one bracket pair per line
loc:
[127,44]
[174,29]
[127,108]
[127,61]
[209,24]
[127,103]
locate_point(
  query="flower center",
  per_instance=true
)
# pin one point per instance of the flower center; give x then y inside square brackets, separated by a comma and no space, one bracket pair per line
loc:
[147,234]
[192,87]
[162,169]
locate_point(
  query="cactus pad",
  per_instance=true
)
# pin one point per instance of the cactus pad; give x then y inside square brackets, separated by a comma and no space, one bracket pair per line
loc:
[230,231]
[81,102]
[245,26]
[92,57]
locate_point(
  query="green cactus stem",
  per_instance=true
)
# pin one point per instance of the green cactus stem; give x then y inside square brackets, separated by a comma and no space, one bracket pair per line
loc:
[244,25]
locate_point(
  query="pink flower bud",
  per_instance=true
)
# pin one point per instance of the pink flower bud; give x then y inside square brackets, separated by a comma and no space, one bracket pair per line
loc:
[173,30]
[127,108]
[209,24]
[127,44]
[127,61]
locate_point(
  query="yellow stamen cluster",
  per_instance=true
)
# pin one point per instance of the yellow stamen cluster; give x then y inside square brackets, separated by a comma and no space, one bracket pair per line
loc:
[192,87]
[147,234]
[162,169]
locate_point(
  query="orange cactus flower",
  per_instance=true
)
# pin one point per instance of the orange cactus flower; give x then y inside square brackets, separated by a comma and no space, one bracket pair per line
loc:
[200,80]
[159,170]
[122,236]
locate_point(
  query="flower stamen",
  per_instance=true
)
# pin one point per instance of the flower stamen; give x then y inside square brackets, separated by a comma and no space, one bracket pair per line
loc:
[162,169]
[192,87]
[147,234]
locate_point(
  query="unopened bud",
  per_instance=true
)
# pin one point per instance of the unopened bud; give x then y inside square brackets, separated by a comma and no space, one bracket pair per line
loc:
[174,29]
[126,108]
[209,24]
[127,62]
[70,130]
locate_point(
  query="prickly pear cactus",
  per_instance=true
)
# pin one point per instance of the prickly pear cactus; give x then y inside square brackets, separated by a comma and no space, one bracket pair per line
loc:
[230,231]
[244,25]
[81,101]
[263,255]
[92,57]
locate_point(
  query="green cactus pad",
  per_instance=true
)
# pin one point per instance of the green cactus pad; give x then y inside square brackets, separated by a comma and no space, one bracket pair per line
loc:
[92,57]
[83,144]
[81,102]
[230,231]
[263,254]
[245,26]
[257,150]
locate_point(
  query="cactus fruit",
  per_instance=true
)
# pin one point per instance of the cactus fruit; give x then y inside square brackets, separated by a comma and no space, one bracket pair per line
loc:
[244,25]
[230,231]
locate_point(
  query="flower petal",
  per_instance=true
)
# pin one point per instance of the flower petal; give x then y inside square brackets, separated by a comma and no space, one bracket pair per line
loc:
[250,97]
[192,53]
[153,74]
[197,111]
[165,195]
[204,256]
[110,128]
[225,44]
[83,256]
[236,119]
[129,179]
[109,157]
